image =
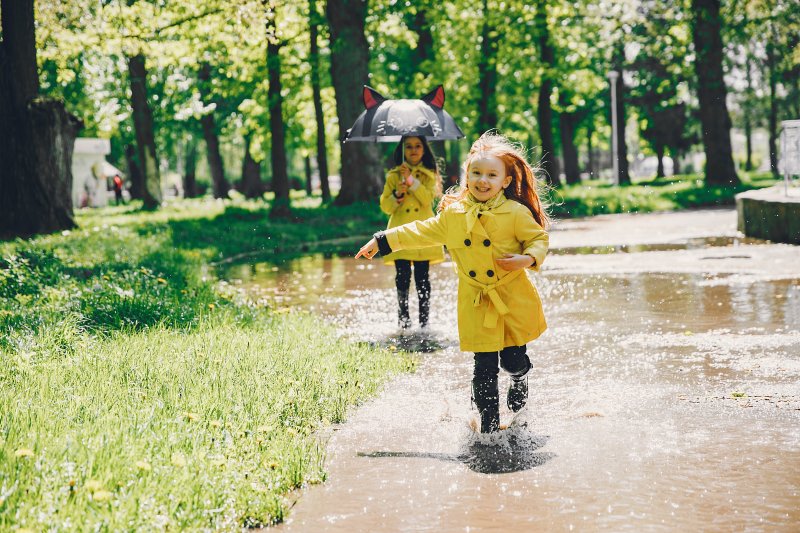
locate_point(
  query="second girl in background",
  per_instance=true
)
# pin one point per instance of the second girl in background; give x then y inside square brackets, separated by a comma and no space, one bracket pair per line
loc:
[411,187]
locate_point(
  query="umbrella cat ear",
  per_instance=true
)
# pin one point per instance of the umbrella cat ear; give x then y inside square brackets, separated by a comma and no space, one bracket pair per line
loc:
[372,98]
[435,98]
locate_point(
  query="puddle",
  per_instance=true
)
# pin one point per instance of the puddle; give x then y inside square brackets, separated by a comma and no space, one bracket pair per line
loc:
[660,400]
[687,244]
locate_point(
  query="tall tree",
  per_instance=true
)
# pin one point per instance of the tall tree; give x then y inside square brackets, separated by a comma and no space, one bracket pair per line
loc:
[251,185]
[487,73]
[772,76]
[544,109]
[361,170]
[712,93]
[190,168]
[207,120]
[624,177]
[37,135]
[145,137]
[567,121]
[280,175]
[313,59]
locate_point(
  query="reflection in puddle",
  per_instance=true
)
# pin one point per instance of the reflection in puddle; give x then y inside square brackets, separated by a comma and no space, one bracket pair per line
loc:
[683,244]
[658,399]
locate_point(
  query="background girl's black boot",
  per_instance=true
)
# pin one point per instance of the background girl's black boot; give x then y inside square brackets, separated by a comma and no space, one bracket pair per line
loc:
[424,308]
[403,318]
[485,396]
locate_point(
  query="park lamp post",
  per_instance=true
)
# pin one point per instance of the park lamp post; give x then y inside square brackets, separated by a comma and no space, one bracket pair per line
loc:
[613,75]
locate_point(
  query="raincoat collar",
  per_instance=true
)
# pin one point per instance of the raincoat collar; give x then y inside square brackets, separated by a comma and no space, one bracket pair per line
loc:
[474,209]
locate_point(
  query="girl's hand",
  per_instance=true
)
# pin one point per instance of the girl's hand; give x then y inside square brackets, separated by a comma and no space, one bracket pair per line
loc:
[369,250]
[408,178]
[512,262]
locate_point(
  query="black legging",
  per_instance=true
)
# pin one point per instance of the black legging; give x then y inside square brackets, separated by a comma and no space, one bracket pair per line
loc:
[402,280]
[515,361]
[402,277]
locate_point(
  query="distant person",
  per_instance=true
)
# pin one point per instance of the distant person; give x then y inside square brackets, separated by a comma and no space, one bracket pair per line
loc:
[117,184]
[494,227]
[411,187]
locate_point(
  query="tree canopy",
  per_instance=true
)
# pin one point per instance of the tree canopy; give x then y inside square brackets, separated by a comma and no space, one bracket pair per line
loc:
[536,71]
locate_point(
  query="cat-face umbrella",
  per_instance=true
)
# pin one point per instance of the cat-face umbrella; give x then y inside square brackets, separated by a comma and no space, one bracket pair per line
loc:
[389,120]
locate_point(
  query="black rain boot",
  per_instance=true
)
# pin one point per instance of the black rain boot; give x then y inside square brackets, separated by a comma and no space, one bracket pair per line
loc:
[518,392]
[403,317]
[485,396]
[424,308]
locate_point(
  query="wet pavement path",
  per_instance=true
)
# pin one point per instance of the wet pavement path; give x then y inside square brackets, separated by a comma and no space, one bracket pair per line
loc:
[664,397]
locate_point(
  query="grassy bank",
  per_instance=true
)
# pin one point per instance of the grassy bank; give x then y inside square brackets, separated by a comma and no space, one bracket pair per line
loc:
[672,193]
[138,395]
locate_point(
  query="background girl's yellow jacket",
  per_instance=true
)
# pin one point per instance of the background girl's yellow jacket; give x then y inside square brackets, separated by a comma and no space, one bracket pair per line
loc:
[496,307]
[418,205]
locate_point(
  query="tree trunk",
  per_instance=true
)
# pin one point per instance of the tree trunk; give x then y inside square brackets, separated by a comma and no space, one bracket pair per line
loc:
[624,177]
[425,51]
[544,111]
[190,170]
[361,172]
[251,187]
[215,164]
[322,151]
[622,144]
[145,138]
[572,173]
[712,93]
[590,151]
[135,175]
[747,111]
[487,75]
[280,176]
[37,136]
[307,165]
[660,157]
[453,166]
[773,105]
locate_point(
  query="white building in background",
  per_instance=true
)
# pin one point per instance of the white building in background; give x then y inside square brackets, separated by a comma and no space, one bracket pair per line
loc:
[91,172]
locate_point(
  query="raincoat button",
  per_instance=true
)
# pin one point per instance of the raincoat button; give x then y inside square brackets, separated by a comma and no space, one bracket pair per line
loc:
[467,242]
[472,273]
[490,273]
[487,242]
[416,209]
[408,210]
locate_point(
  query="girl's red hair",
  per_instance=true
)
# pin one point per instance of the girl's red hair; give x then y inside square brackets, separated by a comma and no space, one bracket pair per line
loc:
[524,186]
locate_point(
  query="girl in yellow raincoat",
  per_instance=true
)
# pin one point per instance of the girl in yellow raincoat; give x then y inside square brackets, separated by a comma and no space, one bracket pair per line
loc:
[411,186]
[494,227]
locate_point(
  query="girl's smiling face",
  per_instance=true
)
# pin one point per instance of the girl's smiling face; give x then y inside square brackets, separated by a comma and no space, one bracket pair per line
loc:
[486,177]
[413,150]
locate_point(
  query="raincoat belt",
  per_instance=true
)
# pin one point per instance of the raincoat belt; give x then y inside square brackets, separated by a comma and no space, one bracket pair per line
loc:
[498,307]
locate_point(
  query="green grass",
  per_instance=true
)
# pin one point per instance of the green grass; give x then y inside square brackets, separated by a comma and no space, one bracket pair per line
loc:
[136,394]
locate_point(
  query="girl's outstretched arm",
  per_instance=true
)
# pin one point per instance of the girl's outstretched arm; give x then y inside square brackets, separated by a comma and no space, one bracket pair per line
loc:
[369,250]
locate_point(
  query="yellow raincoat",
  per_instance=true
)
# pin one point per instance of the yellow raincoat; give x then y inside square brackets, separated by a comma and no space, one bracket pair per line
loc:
[496,308]
[418,205]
